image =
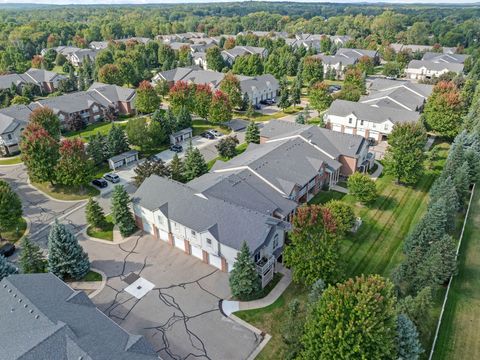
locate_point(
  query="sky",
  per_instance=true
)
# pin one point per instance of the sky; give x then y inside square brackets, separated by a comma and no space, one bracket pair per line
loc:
[79,2]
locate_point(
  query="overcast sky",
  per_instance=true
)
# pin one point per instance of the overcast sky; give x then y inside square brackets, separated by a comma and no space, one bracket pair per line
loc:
[78,2]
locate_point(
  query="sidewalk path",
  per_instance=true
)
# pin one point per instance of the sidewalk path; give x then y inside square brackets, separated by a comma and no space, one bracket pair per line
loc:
[229,307]
[377,172]
[339,189]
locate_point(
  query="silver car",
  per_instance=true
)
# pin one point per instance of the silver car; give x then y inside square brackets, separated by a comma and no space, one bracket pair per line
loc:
[113,178]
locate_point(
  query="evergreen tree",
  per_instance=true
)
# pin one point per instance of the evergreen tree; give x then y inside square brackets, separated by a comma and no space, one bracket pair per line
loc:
[408,343]
[194,164]
[6,268]
[462,184]
[121,214]
[97,148]
[149,168]
[10,207]
[184,119]
[31,258]
[244,279]
[252,134]
[445,188]
[66,258]
[250,112]
[116,141]
[316,291]
[300,119]
[245,102]
[176,168]
[95,214]
[284,101]
[296,94]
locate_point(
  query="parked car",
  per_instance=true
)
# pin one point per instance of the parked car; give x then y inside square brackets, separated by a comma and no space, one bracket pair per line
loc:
[371,141]
[257,107]
[176,148]
[207,135]
[334,88]
[100,183]
[113,178]
[270,101]
[391,77]
[7,249]
[215,133]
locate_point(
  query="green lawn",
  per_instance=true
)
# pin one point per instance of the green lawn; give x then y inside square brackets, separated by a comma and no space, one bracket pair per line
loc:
[106,233]
[239,149]
[16,232]
[458,337]
[375,248]
[199,126]
[259,117]
[10,160]
[92,276]
[97,128]
[61,192]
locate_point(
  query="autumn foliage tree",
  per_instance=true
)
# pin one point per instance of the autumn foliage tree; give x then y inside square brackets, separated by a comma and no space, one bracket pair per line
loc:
[230,85]
[220,108]
[312,69]
[147,100]
[181,95]
[74,167]
[46,118]
[110,74]
[203,98]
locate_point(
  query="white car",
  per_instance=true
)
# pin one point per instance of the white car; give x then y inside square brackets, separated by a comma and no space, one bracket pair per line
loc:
[215,133]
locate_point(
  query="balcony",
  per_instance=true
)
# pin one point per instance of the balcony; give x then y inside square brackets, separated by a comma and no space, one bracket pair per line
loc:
[266,269]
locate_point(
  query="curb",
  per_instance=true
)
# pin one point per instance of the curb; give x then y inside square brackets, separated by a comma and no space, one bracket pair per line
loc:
[264,336]
[102,286]
[91,238]
[51,197]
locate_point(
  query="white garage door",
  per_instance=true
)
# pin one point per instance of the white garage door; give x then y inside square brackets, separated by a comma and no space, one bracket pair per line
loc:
[348,130]
[374,134]
[179,243]
[337,128]
[215,261]
[163,235]
[361,132]
[197,252]
[147,227]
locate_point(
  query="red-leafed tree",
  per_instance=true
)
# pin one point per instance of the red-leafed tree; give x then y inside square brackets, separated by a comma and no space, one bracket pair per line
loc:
[230,85]
[39,153]
[203,99]
[313,252]
[220,108]
[182,95]
[73,168]
[37,61]
[147,100]
[46,118]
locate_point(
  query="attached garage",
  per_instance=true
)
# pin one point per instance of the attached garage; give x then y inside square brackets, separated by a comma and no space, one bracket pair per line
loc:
[163,235]
[147,227]
[361,132]
[337,128]
[348,130]
[197,252]
[215,261]
[179,243]
[374,134]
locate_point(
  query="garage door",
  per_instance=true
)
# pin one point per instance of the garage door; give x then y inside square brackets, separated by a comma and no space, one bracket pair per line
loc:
[163,235]
[361,132]
[348,130]
[337,128]
[374,134]
[179,243]
[197,252]
[215,261]
[147,227]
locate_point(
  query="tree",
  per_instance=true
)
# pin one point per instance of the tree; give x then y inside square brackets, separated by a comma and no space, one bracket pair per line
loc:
[362,188]
[296,93]
[226,147]
[66,258]
[244,280]
[182,95]
[230,86]
[95,214]
[316,292]
[313,251]
[444,109]
[343,214]
[156,134]
[366,65]
[73,167]
[408,343]
[110,74]
[176,168]
[149,168]
[292,329]
[284,101]
[220,108]
[319,96]
[405,156]
[392,68]
[10,207]
[353,320]
[462,184]
[6,268]
[418,309]
[215,59]
[194,164]
[312,69]
[75,123]
[300,118]
[184,119]
[39,153]
[97,148]
[31,260]
[137,131]
[20,100]
[353,85]
[203,99]
[116,141]
[252,134]
[147,100]
[46,118]
[121,214]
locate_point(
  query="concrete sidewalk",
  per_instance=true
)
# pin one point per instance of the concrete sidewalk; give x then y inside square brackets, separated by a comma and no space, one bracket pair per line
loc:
[377,172]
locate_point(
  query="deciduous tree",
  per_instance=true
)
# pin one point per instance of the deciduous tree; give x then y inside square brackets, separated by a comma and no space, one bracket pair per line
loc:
[147,100]
[73,167]
[46,118]
[203,99]
[343,214]
[320,98]
[117,142]
[149,168]
[215,59]
[362,187]
[230,86]
[220,108]
[226,147]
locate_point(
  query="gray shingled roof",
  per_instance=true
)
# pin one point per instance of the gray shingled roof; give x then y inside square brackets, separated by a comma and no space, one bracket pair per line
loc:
[435,66]
[371,113]
[42,318]
[355,53]
[230,224]
[6,81]
[40,75]
[113,92]
[14,116]
[242,50]
[444,58]
[336,59]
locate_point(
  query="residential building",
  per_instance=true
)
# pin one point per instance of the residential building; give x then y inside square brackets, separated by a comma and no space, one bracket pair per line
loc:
[43,318]
[77,58]
[45,81]
[64,50]
[422,69]
[100,45]
[397,94]
[356,54]
[230,55]
[13,120]
[444,58]
[340,40]
[368,121]
[335,63]
[258,88]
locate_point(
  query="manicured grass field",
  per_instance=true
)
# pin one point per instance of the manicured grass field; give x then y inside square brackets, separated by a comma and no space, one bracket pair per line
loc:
[60,192]
[459,333]
[375,248]
[10,160]
[97,128]
[200,126]
[106,233]
[240,149]
[259,117]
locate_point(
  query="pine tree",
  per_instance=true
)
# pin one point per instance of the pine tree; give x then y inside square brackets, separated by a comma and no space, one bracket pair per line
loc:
[445,187]
[176,168]
[244,279]
[66,258]
[284,101]
[296,94]
[121,214]
[252,135]
[194,164]
[116,141]
[97,148]
[95,214]
[6,268]
[31,258]
[408,343]
[316,291]
[184,119]
[462,184]
[300,119]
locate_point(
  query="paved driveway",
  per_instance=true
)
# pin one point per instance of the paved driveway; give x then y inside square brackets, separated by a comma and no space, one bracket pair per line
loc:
[180,316]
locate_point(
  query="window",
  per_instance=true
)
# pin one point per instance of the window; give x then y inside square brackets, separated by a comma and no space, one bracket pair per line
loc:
[9,136]
[361,122]
[209,241]
[194,233]
[275,241]
[257,257]
[386,126]
[350,120]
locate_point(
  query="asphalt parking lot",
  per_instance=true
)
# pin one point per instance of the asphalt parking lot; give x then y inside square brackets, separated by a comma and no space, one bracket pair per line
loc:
[180,316]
